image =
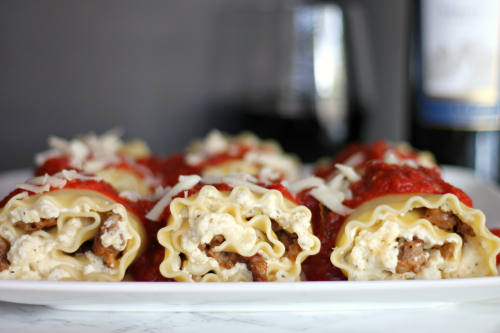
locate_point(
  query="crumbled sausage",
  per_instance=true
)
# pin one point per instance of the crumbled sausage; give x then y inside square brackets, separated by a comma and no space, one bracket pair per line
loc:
[411,257]
[291,245]
[256,263]
[275,226]
[447,250]
[448,221]
[292,248]
[258,266]
[4,264]
[109,254]
[4,249]
[35,226]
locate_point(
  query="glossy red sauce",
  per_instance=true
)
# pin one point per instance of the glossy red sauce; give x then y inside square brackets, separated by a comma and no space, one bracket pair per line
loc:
[53,166]
[169,168]
[325,225]
[381,179]
[374,151]
[236,152]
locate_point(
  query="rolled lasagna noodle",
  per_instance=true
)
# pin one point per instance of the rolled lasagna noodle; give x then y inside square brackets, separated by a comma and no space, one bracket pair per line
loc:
[246,154]
[415,237]
[67,234]
[228,236]
[105,155]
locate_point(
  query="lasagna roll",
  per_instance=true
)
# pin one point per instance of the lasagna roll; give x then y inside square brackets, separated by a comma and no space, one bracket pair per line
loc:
[236,236]
[412,236]
[66,230]
[220,155]
[105,155]
[357,155]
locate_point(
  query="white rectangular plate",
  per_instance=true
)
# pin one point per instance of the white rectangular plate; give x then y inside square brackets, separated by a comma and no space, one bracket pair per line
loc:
[304,296]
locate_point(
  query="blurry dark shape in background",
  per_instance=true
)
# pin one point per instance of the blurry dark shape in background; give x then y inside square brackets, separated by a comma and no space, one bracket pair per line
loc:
[455,82]
[309,113]
[169,71]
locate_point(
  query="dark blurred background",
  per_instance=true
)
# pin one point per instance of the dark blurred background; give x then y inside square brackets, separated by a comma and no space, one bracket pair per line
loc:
[169,71]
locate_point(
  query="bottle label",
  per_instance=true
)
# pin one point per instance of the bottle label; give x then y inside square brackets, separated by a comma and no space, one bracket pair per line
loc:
[459,74]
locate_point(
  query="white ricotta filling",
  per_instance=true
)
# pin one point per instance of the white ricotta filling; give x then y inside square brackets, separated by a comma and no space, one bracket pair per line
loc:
[472,261]
[96,265]
[116,237]
[297,222]
[46,209]
[36,250]
[374,255]
[204,226]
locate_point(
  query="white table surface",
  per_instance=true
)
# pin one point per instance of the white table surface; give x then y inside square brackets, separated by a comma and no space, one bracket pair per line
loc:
[465,317]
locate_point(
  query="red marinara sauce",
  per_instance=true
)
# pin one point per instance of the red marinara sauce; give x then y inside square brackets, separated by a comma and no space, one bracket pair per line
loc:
[381,179]
[54,165]
[375,151]
[325,225]
[169,168]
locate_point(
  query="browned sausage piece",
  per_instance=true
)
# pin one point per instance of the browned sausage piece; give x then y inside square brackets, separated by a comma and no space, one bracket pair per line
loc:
[4,249]
[292,248]
[4,264]
[447,250]
[256,264]
[35,226]
[108,254]
[448,221]
[411,257]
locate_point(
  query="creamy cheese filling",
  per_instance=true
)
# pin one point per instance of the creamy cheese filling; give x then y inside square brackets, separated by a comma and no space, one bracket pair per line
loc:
[204,225]
[297,222]
[31,256]
[374,255]
[119,236]
[29,250]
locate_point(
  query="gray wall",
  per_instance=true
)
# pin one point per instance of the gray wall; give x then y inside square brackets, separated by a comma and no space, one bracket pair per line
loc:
[161,69]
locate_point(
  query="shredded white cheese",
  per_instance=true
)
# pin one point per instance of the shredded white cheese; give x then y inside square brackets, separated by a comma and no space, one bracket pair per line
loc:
[185,183]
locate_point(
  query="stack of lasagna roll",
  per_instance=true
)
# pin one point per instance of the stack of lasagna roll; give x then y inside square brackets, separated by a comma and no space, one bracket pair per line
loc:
[238,209]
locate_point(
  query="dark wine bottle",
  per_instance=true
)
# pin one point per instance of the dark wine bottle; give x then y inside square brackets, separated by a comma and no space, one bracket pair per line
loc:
[311,113]
[455,78]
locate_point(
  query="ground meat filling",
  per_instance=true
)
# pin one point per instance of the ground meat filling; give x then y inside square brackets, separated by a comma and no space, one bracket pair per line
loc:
[292,248]
[36,226]
[447,250]
[110,255]
[256,263]
[411,257]
[448,221]
[4,249]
